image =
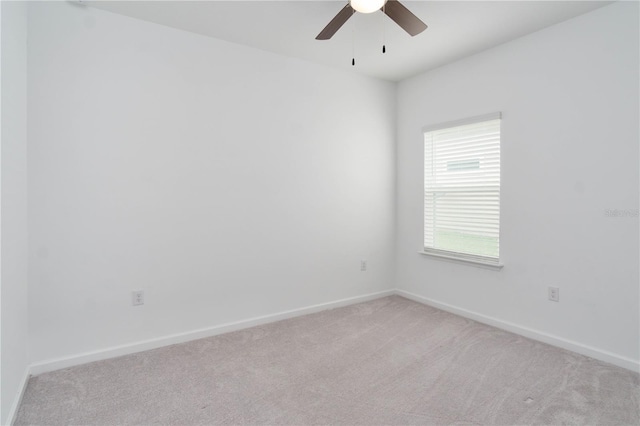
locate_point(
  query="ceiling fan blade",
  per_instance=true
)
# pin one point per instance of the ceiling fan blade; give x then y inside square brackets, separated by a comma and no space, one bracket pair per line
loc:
[335,24]
[403,17]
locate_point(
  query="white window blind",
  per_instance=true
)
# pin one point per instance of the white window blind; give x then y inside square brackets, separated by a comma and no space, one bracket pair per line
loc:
[462,189]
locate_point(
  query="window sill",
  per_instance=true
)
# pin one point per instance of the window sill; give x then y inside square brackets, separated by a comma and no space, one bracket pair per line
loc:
[469,262]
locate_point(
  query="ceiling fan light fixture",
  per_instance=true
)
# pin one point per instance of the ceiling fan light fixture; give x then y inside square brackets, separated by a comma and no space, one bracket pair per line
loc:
[367,6]
[392,8]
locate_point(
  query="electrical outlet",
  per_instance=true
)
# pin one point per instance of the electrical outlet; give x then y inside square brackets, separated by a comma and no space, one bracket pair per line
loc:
[554,294]
[137,297]
[363,265]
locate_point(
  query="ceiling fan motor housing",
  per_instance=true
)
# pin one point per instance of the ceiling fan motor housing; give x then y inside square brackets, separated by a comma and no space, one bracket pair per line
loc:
[367,6]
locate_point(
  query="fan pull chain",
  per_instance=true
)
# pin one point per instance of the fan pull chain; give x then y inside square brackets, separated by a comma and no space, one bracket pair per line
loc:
[353,44]
[384,47]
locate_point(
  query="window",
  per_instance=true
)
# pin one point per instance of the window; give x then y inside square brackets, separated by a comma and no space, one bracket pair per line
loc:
[462,190]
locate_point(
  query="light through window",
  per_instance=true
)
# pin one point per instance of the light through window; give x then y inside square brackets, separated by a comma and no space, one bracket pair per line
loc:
[462,190]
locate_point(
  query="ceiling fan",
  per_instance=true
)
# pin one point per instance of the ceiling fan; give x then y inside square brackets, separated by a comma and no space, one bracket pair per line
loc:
[392,8]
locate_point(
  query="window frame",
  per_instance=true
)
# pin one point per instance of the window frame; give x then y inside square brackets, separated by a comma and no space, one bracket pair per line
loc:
[441,254]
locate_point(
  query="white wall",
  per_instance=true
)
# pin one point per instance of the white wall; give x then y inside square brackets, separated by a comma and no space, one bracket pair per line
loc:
[225,181]
[569,98]
[13,223]
[230,183]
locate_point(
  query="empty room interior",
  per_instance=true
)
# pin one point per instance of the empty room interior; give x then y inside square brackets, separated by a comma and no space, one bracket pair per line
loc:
[311,212]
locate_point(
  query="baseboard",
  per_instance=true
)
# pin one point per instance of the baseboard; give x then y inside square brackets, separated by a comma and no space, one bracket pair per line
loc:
[106,353]
[13,412]
[65,362]
[599,354]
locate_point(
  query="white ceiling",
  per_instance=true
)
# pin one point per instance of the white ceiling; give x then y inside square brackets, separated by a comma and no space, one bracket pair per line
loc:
[456,28]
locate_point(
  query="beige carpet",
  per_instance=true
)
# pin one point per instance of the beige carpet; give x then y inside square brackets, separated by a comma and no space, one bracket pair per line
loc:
[389,361]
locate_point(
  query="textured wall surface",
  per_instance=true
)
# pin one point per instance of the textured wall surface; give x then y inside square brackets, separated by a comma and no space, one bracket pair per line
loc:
[226,182]
[13,195]
[569,99]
